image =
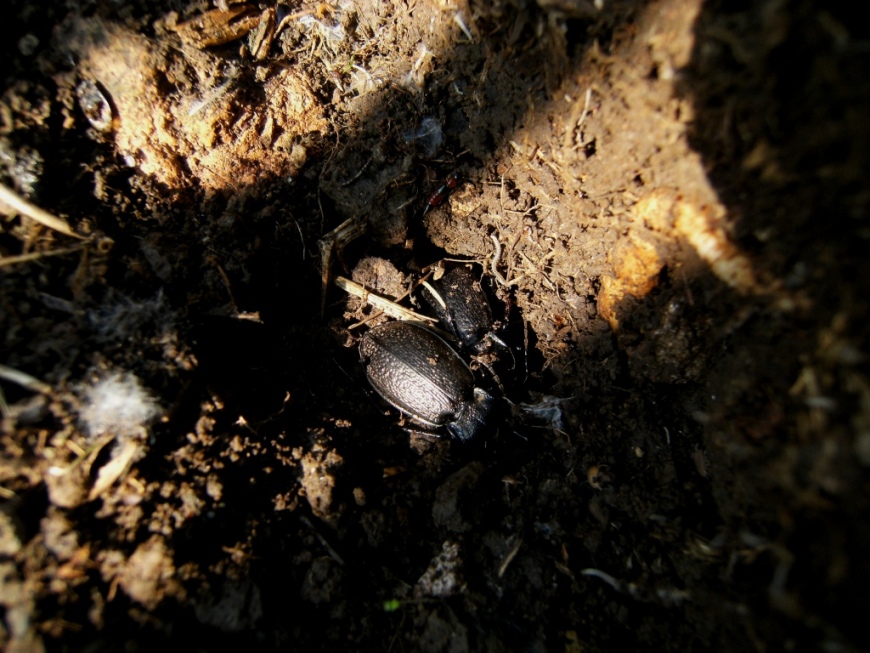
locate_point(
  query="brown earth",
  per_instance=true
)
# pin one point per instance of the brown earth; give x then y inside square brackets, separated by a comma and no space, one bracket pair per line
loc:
[669,200]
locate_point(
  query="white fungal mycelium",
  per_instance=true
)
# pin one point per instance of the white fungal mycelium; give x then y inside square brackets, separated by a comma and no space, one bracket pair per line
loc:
[116,403]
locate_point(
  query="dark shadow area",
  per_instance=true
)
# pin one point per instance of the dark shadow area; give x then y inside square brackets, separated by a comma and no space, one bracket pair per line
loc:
[781,98]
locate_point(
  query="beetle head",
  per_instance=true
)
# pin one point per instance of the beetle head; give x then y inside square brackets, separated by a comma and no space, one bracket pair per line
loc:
[472,417]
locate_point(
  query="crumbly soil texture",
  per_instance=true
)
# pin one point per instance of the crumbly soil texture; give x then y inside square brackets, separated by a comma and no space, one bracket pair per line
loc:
[666,204]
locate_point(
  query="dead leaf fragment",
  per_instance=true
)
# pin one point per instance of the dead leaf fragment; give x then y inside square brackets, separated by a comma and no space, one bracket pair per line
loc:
[115,468]
[217,26]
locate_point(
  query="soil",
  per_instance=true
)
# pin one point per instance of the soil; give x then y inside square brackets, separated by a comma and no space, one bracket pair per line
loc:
[667,205]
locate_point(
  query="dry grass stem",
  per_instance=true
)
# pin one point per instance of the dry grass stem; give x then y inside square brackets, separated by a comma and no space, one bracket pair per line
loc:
[12,202]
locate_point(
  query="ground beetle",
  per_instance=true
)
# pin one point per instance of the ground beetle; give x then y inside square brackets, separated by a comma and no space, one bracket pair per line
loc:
[460,304]
[416,371]
[421,375]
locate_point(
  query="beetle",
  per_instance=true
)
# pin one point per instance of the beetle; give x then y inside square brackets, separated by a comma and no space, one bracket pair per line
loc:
[417,372]
[461,305]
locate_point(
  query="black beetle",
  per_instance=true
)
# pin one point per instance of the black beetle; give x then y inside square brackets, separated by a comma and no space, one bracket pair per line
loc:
[461,305]
[417,372]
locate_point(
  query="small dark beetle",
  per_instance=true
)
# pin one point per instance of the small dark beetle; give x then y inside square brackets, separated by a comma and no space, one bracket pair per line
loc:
[461,306]
[417,372]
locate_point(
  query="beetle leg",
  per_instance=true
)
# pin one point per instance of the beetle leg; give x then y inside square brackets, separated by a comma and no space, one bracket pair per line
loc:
[503,345]
[484,363]
[427,436]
